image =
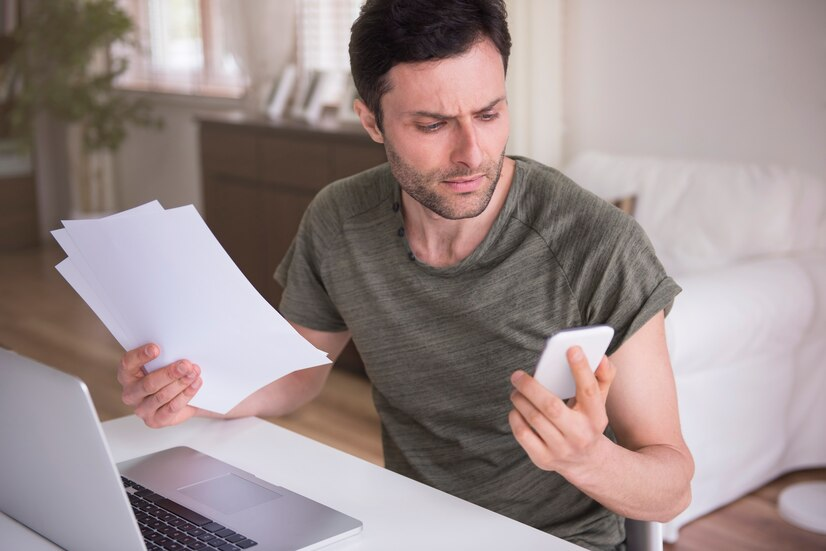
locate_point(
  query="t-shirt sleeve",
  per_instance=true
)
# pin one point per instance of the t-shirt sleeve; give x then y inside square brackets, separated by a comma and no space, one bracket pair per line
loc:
[305,300]
[614,272]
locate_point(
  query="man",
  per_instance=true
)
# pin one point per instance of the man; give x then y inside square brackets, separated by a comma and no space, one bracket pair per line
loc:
[449,267]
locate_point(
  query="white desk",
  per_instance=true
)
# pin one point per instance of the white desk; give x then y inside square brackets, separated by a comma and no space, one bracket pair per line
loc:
[398,513]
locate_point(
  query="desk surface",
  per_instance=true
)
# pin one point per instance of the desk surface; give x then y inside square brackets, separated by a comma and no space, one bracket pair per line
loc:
[398,513]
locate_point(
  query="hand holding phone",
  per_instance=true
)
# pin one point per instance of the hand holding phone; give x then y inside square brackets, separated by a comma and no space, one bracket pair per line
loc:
[553,370]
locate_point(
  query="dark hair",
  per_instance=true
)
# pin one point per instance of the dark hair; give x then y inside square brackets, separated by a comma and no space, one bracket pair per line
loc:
[389,32]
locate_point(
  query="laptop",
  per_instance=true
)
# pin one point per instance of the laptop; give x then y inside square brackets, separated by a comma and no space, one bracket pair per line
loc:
[57,477]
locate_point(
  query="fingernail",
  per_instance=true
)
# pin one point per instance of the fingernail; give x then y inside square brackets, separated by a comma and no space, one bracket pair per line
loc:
[517,375]
[189,377]
[182,368]
[150,351]
[576,353]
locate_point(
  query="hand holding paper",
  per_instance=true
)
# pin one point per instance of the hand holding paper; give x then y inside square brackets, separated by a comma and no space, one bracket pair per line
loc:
[154,275]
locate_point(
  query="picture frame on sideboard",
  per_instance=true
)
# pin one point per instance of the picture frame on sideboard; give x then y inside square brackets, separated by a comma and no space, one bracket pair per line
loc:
[282,91]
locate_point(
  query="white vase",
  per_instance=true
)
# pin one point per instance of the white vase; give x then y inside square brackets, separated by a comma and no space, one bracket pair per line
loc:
[91,178]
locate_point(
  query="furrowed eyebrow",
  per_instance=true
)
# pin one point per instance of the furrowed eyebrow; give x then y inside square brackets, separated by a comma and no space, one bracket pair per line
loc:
[442,116]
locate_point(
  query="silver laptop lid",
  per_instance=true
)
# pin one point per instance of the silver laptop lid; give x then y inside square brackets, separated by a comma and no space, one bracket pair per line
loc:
[57,474]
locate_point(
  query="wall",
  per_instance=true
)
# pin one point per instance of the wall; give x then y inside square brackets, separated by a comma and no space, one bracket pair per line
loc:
[741,80]
[534,81]
[165,164]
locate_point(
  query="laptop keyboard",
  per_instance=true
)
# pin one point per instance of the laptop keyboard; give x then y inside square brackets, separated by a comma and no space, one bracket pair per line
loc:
[167,525]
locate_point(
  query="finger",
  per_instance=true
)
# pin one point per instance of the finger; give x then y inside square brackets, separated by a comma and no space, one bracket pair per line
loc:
[136,392]
[162,397]
[149,407]
[132,362]
[178,408]
[605,374]
[588,396]
[542,399]
[547,431]
[533,445]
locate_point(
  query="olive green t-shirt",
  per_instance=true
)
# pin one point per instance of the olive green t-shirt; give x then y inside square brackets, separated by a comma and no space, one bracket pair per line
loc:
[439,344]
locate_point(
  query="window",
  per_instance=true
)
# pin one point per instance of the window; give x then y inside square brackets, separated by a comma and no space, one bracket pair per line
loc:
[181,48]
[324,34]
[184,45]
[322,58]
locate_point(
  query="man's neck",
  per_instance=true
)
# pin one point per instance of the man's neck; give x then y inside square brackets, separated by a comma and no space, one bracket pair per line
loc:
[441,242]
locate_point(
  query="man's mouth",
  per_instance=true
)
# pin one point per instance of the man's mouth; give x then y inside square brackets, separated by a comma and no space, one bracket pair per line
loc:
[465,184]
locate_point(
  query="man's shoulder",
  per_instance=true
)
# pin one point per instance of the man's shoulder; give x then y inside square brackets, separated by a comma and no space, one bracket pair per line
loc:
[356,195]
[546,196]
[572,221]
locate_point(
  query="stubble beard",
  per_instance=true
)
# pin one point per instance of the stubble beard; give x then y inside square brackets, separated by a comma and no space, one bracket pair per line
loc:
[424,187]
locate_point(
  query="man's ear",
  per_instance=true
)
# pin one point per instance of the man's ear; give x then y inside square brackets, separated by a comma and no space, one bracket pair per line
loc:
[368,120]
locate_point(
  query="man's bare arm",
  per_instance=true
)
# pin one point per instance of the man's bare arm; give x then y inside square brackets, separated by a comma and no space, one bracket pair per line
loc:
[296,389]
[647,476]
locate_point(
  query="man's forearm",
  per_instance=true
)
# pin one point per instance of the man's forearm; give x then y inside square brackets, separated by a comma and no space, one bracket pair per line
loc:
[279,397]
[652,483]
[296,389]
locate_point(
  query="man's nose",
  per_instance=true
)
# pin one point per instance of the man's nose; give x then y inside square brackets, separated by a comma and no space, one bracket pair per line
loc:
[466,149]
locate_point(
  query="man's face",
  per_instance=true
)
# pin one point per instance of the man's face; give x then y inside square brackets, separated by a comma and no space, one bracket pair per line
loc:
[445,129]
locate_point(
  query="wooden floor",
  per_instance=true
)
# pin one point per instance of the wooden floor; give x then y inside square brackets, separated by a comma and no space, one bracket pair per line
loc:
[41,317]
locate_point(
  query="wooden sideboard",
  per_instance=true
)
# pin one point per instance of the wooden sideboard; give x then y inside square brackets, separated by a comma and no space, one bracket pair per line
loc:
[258,178]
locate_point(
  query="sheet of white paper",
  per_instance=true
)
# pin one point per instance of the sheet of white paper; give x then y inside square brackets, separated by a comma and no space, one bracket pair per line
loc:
[166,279]
[73,275]
[70,273]
[65,241]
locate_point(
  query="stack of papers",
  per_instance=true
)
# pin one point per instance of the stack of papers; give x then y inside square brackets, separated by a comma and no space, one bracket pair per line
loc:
[155,275]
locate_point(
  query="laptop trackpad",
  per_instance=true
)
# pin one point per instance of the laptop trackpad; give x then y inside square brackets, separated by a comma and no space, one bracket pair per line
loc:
[229,493]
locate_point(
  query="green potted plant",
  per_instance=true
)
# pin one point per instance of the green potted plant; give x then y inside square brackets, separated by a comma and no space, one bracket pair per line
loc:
[63,64]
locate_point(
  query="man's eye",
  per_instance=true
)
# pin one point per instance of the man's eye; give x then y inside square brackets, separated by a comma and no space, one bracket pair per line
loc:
[430,127]
[489,116]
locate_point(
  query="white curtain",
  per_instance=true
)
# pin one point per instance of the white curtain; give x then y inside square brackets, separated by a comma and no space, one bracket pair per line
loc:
[535,79]
[261,38]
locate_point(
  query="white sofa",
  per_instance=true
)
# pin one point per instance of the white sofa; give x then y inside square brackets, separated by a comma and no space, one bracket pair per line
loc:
[747,335]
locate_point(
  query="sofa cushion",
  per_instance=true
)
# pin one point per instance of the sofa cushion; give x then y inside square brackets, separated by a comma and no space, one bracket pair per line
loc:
[756,309]
[704,215]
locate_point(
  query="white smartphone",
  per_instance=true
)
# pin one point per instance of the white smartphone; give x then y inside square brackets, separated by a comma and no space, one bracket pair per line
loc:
[553,370]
